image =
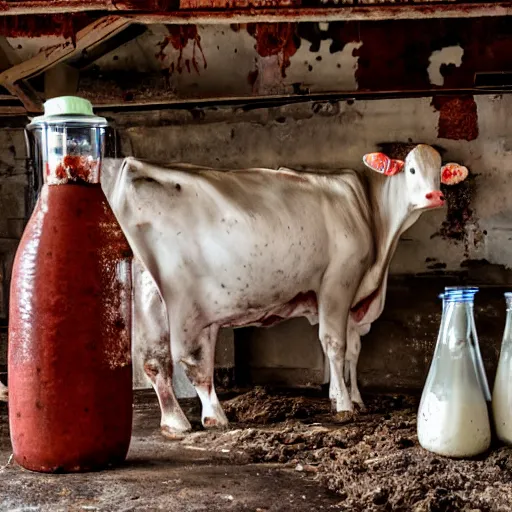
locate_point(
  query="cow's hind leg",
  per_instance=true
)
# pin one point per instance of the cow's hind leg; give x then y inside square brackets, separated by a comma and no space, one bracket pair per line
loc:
[199,365]
[173,421]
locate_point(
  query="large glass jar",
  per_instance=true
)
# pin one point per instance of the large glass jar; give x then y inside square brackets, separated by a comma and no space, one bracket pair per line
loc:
[70,389]
[453,417]
[502,391]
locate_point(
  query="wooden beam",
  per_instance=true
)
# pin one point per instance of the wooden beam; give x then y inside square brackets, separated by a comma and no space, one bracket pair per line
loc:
[14,78]
[28,97]
[22,91]
[86,38]
[243,11]
[87,58]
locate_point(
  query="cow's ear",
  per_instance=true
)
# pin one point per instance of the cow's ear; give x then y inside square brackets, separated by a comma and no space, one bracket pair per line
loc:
[452,173]
[380,162]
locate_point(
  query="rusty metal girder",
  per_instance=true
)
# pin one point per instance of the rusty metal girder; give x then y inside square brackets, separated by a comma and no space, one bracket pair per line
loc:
[243,11]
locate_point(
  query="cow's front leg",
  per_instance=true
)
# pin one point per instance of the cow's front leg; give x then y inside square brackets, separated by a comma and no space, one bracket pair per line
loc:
[199,363]
[173,421]
[352,358]
[333,314]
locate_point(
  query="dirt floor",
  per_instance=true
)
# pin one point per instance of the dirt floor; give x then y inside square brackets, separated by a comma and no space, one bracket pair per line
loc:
[283,452]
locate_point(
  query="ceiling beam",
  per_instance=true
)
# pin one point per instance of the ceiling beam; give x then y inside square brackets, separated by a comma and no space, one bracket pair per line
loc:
[325,14]
[14,78]
[243,11]
[87,38]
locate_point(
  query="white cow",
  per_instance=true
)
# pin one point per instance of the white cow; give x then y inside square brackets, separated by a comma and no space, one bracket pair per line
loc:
[252,247]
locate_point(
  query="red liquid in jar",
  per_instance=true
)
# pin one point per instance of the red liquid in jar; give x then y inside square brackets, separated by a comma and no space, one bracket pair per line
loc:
[70,374]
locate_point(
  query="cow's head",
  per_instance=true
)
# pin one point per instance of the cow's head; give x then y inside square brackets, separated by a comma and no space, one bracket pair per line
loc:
[422,172]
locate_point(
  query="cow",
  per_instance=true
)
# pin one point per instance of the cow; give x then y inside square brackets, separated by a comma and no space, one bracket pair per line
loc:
[254,247]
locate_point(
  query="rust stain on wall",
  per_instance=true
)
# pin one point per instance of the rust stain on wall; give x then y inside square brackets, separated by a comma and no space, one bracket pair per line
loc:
[458,117]
[461,224]
[151,5]
[279,39]
[44,25]
[179,37]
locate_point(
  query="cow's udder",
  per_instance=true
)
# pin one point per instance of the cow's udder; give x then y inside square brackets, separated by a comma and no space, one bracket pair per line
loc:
[361,308]
[303,304]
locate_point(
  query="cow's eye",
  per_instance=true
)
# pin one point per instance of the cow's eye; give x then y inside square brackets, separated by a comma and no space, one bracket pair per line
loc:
[412,170]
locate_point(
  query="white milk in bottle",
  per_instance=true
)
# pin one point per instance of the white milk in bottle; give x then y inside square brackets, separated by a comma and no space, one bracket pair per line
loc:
[502,392]
[452,418]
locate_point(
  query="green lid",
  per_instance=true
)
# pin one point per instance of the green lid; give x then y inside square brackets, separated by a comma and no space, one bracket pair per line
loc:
[68,105]
[68,109]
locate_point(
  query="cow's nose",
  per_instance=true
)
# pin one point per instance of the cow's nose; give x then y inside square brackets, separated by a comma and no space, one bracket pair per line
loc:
[436,197]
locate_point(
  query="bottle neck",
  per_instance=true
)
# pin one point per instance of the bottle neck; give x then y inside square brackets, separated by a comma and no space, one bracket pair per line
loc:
[457,324]
[507,333]
[72,169]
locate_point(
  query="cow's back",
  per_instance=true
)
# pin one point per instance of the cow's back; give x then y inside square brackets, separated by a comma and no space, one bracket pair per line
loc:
[244,240]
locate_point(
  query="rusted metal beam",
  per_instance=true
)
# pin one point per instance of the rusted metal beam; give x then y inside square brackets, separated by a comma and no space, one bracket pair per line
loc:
[326,14]
[245,11]
[54,7]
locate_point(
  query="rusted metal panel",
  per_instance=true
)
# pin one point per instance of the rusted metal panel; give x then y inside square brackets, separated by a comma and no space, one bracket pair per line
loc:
[65,25]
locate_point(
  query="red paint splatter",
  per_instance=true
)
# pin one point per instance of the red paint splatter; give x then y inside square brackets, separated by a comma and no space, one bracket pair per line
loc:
[279,39]
[64,25]
[179,37]
[458,117]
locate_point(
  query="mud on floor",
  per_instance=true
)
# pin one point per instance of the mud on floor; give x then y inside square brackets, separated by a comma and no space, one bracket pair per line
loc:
[372,463]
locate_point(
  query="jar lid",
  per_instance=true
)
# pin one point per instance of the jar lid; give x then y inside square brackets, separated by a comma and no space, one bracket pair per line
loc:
[66,105]
[68,109]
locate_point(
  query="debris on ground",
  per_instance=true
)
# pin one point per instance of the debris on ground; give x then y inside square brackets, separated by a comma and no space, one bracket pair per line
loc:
[373,463]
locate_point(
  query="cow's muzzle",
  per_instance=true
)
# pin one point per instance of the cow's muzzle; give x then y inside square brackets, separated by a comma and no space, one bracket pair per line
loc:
[435,199]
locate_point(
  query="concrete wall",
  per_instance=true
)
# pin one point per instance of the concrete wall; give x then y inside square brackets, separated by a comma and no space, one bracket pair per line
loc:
[468,242]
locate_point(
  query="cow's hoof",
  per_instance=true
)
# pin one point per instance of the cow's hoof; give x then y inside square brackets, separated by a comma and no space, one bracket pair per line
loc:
[211,423]
[344,416]
[172,434]
[360,407]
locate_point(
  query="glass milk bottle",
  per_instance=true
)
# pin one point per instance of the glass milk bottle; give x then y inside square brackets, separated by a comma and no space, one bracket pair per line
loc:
[502,392]
[453,419]
[69,356]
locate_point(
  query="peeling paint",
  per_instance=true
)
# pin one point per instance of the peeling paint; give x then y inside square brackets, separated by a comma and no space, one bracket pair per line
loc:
[458,117]
[276,39]
[446,56]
